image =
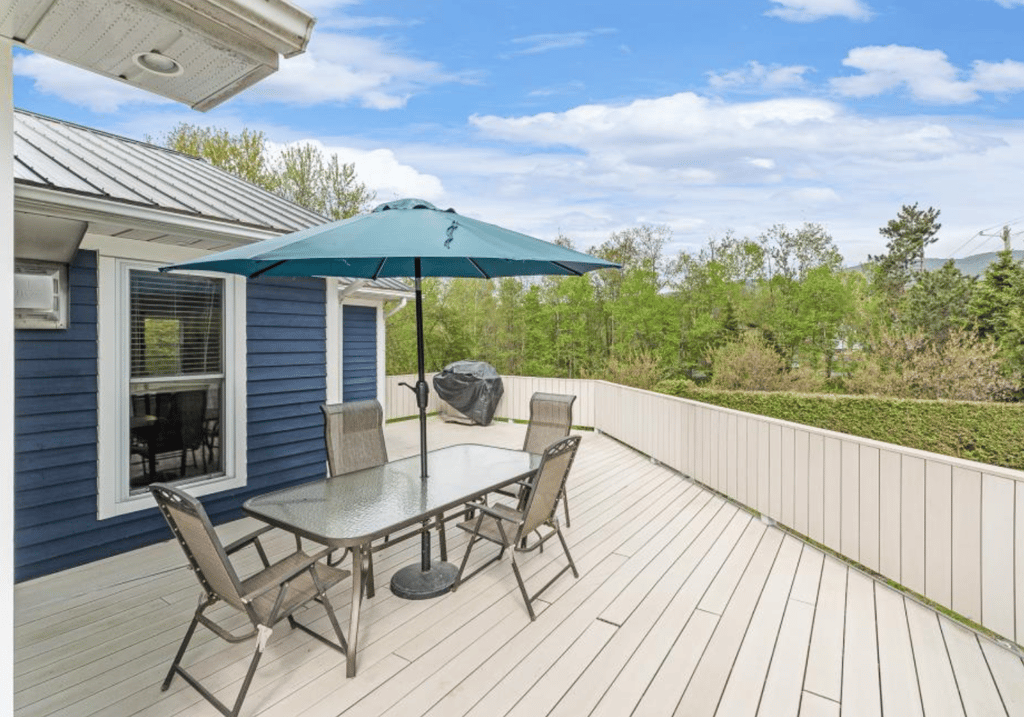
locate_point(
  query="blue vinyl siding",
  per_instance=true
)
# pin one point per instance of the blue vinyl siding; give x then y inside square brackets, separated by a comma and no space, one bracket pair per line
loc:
[359,353]
[56,419]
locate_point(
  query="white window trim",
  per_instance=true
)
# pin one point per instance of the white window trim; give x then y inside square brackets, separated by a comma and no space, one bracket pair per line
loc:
[340,343]
[113,455]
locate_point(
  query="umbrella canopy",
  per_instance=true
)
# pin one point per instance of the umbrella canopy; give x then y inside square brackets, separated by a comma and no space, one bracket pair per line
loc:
[387,242]
[405,238]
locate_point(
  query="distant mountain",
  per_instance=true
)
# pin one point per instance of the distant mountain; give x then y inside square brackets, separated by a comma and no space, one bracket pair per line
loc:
[970,265]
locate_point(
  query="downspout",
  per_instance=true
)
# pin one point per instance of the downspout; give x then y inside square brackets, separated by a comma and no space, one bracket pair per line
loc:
[396,309]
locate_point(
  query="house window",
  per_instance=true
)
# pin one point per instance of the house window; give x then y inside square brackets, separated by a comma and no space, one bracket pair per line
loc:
[172,383]
[177,377]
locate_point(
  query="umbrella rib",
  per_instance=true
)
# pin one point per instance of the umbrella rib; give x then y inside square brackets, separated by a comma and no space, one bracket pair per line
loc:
[568,269]
[478,268]
[376,272]
[265,269]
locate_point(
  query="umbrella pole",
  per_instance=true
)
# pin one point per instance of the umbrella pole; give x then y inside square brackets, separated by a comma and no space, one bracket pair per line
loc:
[425,580]
[422,391]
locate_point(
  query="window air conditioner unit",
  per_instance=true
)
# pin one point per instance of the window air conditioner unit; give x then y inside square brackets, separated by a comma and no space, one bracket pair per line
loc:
[40,295]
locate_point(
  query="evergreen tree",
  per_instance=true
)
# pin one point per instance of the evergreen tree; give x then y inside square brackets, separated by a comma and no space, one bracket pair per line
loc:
[938,302]
[909,233]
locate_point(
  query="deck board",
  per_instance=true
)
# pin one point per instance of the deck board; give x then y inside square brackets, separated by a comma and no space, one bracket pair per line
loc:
[686,604]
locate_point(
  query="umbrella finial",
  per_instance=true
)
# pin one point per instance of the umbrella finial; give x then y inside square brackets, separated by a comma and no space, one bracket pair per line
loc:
[404,204]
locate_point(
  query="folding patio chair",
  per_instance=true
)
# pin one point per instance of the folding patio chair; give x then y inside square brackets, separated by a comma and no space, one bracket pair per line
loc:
[354,434]
[509,527]
[271,595]
[550,420]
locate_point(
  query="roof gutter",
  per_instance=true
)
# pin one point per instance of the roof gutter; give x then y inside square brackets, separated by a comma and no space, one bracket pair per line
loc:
[276,24]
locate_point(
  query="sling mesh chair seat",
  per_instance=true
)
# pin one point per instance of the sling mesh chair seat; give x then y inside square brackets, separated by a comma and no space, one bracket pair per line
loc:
[266,598]
[354,434]
[508,527]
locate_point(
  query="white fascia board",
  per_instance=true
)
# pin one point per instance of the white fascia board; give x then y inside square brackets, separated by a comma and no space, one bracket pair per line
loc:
[276,24]
[37,200]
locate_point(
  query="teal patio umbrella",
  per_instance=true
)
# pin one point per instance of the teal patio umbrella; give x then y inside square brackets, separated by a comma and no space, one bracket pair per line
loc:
[404,238]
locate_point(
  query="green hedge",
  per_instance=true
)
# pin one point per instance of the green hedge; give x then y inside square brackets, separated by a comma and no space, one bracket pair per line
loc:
[991,433]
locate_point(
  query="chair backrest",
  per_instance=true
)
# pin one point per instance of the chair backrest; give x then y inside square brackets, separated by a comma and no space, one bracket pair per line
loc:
[354,434]
[550,419]
[191,526]
[547,484]
[191,414]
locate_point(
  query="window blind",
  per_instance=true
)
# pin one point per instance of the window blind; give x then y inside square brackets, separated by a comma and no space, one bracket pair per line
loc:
[176,325]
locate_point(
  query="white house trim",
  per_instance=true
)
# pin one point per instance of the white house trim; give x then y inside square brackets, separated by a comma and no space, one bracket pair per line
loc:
[7,374]
[113,402]
[50,202]
[332,317]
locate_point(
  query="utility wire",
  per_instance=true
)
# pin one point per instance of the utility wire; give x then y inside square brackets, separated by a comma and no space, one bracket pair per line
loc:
[982,233]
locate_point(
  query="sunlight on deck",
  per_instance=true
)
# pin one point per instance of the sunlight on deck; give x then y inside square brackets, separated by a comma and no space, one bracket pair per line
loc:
[686,604]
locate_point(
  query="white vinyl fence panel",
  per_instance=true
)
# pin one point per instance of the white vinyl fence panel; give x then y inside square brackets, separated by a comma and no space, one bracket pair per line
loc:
[949,529]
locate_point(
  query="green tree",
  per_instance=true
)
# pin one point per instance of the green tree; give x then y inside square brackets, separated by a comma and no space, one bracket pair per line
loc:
[301,173]
[912,365]
[998,303]
[795,253]
[909,233]
[938,302]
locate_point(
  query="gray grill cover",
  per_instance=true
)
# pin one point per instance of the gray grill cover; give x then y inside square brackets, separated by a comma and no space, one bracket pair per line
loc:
[473,388]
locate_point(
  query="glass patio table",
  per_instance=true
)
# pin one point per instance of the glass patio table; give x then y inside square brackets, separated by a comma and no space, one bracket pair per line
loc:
[351,510]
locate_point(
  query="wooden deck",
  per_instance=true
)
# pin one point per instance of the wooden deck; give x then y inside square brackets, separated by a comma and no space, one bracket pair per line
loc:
[686,604]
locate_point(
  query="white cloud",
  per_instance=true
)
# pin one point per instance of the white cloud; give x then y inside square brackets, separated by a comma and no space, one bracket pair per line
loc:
[685,129]
[339,68]
[536,44]
[927,75]
[1002,77]
[1010,3]
[812,10]
[81,87]
[703,166]
[379,169]
[755,75]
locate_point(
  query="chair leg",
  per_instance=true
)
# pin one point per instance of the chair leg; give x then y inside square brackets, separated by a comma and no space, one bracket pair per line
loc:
[465,558]
[522,587]
[261,644]
[263,634]
[565,547]
[368,582]
[442,541]
[565,504]
[184,646]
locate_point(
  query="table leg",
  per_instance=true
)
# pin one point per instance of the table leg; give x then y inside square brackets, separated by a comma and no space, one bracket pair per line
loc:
[357,599]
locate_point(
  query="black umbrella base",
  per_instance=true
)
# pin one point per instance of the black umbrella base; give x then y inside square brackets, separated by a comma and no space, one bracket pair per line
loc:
[412,583]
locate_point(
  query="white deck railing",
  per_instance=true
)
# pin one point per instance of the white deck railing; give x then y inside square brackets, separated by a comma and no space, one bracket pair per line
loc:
[949,529]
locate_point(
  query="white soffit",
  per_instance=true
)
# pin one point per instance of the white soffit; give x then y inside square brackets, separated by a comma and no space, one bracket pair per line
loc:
[221,46]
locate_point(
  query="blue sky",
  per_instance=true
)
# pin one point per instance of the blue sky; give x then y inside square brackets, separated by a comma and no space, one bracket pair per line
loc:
[585,118]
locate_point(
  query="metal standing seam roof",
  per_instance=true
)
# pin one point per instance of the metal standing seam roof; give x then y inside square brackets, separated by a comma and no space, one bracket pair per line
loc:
[70,158]
[66,157]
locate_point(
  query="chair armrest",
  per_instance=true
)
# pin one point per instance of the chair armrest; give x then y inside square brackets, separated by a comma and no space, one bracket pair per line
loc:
[498,512]
[245,540]
[282,572]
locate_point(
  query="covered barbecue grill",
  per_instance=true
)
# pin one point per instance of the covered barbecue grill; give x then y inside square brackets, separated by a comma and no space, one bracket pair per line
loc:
[471,388]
